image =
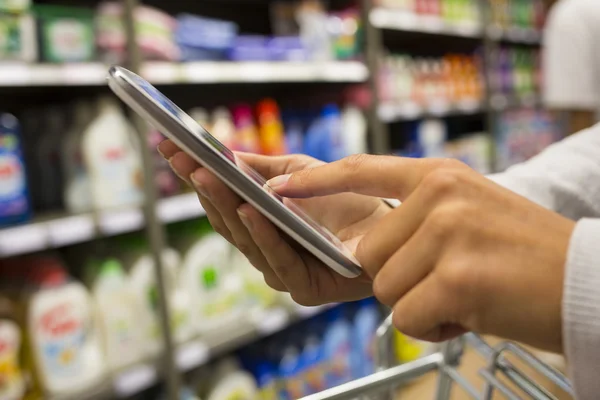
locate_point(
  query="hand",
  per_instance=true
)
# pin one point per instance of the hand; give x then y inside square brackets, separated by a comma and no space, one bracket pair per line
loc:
[460,254]
[284,264]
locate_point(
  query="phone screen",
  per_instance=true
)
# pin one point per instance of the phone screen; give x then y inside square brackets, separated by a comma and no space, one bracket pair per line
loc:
[226,153]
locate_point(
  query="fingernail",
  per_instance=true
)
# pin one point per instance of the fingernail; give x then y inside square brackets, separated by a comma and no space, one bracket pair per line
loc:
[160,152]
[279,181]
[199,187]
[245,220]
[175,169]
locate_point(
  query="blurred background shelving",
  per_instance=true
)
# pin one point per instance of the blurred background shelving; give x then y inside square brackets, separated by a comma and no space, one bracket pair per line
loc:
[153,282]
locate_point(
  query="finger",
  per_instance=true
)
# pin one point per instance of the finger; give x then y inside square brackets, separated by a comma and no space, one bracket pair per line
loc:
[168,149]
[183,166]
[378,176]
[426,312]
[281,257]
[391,233]
[215,220]
[270,166]
[408,267]
[226,204]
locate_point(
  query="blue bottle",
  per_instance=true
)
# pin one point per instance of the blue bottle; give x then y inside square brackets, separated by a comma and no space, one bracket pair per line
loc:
[366,322]
[337,348]
[333,143]
[15,206]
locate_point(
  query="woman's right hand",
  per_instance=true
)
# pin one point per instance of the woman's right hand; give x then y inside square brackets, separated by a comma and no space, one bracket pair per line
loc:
[285,265]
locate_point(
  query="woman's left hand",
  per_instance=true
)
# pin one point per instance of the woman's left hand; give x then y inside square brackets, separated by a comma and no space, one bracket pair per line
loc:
[460,254]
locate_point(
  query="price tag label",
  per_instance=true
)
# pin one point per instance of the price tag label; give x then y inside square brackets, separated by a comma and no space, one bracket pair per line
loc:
[15,74]
[202,72]
[180,208]
[83,74]
[191,355]
[438,107]
[71,230]
[135,380]
[23,239]
[121,221]
[256,72]
[161,72]
[387,112]
[271,321]
[410,110]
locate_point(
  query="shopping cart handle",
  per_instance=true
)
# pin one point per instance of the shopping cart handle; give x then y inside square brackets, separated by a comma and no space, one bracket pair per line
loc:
[382,380]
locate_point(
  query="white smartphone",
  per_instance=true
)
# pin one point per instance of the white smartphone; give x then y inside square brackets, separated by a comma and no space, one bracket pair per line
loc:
[183,130]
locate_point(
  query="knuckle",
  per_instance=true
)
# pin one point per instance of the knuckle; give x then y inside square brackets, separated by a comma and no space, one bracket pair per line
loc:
[382,292]
[304,299]
[402,323]
[355,162]
[441,222]
[441,182]
[455,277]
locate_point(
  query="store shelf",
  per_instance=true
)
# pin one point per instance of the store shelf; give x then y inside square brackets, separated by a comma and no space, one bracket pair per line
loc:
[94,74]
[68,230]
[500,102]
[199,351]
[515,35]
[410,111]
[255,72]
[410,22]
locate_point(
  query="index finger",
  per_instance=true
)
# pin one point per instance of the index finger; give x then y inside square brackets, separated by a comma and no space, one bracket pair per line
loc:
[379,176]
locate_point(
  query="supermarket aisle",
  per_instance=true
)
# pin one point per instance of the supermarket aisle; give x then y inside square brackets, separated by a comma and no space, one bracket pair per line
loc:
[100,300]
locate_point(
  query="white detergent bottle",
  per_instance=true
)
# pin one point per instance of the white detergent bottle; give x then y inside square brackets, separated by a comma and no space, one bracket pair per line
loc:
[354,128]
[119,313]
[110,151]
[230,382]
[76,193]
[63,339]
[207,275]
[140,264]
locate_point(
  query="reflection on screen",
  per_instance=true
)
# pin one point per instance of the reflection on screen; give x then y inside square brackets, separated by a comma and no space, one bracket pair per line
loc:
[248,171]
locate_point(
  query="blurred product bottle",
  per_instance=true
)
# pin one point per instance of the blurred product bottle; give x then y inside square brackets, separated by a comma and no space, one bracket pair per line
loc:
[15,6]
[166,180]
[155,30]
[354,129]
[62,338]
[291,368]
[12,374]
[230,382]
[294,134]
[66,33]
[334,142]
[222,127]
[266,380]
[432,135]
[365,324]
[337,348]
[258,295]
[246,136]
[140,265]
[314,362]
[17,36]
[76,191]
[113,159]
[200,115]
[312,20]
[120,314]
[15,206]
[48,156]
[272,135]
[214,287]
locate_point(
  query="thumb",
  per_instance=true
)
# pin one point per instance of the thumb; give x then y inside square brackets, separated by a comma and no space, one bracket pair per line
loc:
[378,176]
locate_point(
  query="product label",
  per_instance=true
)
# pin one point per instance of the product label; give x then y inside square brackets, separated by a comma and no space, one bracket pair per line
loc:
[69,41]
[12,383]
[61,332]
[121,339]
[13,198]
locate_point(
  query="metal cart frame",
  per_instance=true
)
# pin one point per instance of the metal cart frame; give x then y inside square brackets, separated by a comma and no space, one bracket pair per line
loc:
[384,382]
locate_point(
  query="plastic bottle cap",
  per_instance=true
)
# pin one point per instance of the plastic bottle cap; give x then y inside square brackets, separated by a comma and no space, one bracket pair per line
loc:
[267,106]
[112,267]
[330,110]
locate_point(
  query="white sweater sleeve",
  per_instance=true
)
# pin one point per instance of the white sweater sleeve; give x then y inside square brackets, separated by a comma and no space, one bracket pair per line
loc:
[566,179]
